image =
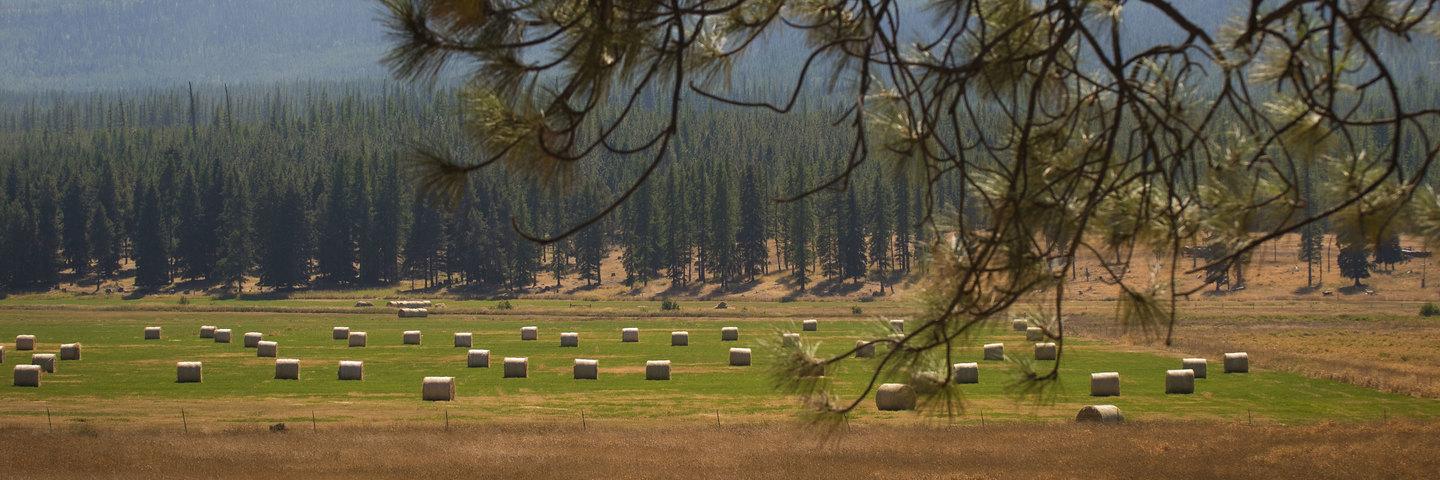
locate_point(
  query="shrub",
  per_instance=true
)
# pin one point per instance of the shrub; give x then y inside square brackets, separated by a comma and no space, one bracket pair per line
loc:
[184,300]
[504,305]
[857,310]
[668,304]
[1429,310]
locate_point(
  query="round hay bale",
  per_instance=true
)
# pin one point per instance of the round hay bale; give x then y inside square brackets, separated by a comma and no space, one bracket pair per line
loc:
[569,339]
[894,397]
[339,333]
[464,339]
[1019,324]
[252,339]
[437,389]
[477,359]
[267,349]
[70,351]
[188,372]
[1034,334]
[810,325]
[587,369]
[352,370]
[790,339]
[357,339]
[2,354]
[729,334]
[410,337]
[995,351]
[679,339]
[363,303]
[864,349]
[1100,413]
[414,312]
[152,333]
[1237,362]
[24,342]
[657,370]
[898,325]
[222,335]
[1199,365]
[739,357]
[1046,351]
[966,372]
[1105,384]
[529,333]
[207,331]
[630,335]
[517,367]
[1180,381]
[27,375]
[44,360]
[287,369]
[408,304]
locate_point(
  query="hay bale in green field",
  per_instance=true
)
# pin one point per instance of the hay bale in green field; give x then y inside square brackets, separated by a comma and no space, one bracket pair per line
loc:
[569,339]
[44,360]
[864,349]
[357,339]
[477,359]
[529,333]
[464,339]
[1199,365]
[207,331]
[413,313]
[994,351]
[679,339]
[267,349]
[339,333]
[70,351]
[810,325]
[790,339]
[437,389]
[1019,324]
[1100,413]
[587,369]
[892,397]
[1105,384]
[187,372]
[1034,334]
[24,342]
[1237,362]
[965,372]
[27,375]
[152,333]
[222,335]
[287,369]
[729,334]
[517,367]
[410,337]
[657,370]
[1046,351]
[1181,382]
[630,335]
[252,339]
[898,325]
[739,357]
[352,370]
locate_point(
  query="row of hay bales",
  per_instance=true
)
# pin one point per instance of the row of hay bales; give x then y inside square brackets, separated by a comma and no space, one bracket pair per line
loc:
[41,363]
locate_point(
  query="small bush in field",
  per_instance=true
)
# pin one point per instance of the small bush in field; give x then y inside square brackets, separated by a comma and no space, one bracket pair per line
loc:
[857,310]
[668,304]
[1429,310]
[504,305]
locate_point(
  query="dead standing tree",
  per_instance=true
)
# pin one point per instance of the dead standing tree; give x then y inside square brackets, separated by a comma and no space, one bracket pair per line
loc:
[1067,141]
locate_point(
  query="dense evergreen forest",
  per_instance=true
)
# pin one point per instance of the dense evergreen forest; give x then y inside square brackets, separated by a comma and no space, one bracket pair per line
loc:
[307,185]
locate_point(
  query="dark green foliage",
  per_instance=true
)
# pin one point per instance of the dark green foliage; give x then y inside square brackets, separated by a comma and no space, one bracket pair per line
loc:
[152,263]
[1354,262]
[1429,309]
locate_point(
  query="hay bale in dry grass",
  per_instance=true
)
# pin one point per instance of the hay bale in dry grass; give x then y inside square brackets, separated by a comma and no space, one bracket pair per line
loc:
[1100,413]
[410,337]
[898,325]
[46,361]
[1019,324]
[267,349]
[287,369]
[409,303]
[729,334]
[252,339]
[864,349]
[1046,351]
[994,351]
[790,339]
[810,325]
[1199,365]
[894,397]
[1180,381]
[1237,362]
[1105,384]
[207,331]
[477,359]
[679,339]
[965,372]
[464,339]
[24,342]
[517,367]
[587,369]
[152,333]
[70,351]
[222,335]
[413,312]
[1034,334]
[2,354]
[630,335]
[188,372]
[529,333]
[340,333]
[352,370]
[363,303]
[739,357]
[569,339]
[27,375]
[657,370]
[437,389]
[356,339]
